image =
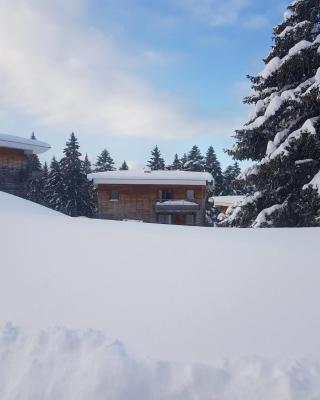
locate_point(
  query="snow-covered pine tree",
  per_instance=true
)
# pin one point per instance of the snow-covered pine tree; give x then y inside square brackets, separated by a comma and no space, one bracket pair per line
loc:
[34,174]
[104,162]
[213,166]
[34,164]
[283,134]
[230,175]
[36,186]
[195,160]
[87,165]
[124,166]
[77,192]
[53,187]
[156,161]
[183,161]
[176,165]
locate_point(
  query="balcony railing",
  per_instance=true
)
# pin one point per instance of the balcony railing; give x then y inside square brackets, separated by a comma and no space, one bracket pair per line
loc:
[177,206]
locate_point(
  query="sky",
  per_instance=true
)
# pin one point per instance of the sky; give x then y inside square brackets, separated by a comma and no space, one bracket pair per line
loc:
[129,74]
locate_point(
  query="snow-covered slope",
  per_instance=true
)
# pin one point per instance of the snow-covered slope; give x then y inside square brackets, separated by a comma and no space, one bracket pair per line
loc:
[188,295]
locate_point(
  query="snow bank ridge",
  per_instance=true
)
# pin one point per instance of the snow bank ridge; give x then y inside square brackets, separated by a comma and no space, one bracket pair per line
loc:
[66,364]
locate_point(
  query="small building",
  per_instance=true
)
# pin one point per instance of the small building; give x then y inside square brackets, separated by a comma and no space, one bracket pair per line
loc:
[15,154]
[222,203]
[165,197]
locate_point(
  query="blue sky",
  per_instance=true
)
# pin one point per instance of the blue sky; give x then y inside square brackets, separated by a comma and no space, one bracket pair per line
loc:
[128,74]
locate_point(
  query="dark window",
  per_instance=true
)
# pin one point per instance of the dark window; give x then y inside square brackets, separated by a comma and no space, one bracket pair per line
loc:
[114,195]
[165,219]
[189,219]
[165,194]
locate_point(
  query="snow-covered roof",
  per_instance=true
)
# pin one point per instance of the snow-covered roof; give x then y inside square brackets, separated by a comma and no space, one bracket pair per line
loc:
[28,145]
[151,178]
[226,201]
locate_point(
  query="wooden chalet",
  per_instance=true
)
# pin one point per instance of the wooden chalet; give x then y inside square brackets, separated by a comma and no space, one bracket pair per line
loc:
[223,203]
[14,160]
[165,197]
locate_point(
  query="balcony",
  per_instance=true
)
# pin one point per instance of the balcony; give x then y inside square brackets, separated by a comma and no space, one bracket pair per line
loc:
[176,206]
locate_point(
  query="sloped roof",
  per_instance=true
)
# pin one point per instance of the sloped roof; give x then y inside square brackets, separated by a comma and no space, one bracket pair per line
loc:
[20,143]
[151,178]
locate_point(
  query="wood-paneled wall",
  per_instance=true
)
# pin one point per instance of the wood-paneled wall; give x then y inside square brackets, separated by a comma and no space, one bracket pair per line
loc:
[13,171]
[137,202]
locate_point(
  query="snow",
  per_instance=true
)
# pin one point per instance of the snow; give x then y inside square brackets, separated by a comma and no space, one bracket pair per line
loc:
[291,28]
[262,219]
[225,314]
[68,364]
[177,203]
[288,14]
[315,183]
[271,67]
[276,62]
[227,201]
[29,145]
[151,177]
[308,126]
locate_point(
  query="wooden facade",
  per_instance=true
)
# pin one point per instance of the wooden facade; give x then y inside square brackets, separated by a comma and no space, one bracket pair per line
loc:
[175,204]
[13,171]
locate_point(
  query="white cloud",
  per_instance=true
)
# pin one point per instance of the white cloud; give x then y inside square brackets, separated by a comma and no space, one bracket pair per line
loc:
[64,74]
[256,22]
[214,12]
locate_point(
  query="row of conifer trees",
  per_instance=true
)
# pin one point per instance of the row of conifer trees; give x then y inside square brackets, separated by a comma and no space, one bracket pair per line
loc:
[63,186]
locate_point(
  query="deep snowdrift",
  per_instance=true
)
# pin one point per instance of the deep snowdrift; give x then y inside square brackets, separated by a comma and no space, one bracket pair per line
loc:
[65,365]
[190,295]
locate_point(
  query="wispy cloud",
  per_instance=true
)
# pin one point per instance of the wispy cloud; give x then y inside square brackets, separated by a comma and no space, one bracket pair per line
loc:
[214,12]
[64,74]
[256,22]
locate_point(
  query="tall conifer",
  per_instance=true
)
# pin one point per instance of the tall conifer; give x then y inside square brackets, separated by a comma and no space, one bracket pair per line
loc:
[156,161]
[283,133]
[77,193]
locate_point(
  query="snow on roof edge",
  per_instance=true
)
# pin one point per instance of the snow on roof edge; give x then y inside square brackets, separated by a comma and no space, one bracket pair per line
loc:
[226,201]
[151,177]
[21,143]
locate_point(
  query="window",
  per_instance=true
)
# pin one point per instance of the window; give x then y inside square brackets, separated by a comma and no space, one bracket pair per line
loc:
[165,194]
[189,219]
[190,194]
[165,219]
[114,195]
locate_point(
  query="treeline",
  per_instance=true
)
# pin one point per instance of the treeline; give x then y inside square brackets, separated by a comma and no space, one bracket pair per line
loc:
[64,187]
[226,182]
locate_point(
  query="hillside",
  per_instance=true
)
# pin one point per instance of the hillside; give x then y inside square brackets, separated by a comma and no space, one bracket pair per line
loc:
[188,295]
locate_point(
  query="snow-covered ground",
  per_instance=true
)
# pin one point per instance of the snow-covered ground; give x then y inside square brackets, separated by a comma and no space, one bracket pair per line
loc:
[204,313]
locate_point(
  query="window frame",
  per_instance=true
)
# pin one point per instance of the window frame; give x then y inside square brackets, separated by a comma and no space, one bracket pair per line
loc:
[169,193]
[169,216]
[193,220]
[114,198]
[193,194]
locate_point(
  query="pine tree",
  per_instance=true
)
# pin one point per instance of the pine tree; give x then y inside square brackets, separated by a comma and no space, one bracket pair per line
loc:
[87,165]
[34,164]
[183,161]
[104,162]
[156,162]
[34,173]
[124,166]
[229,185]
[176,165]
[36,186]
[53,187]
[195,160]
[283,134]
[77,193]
[213,166]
